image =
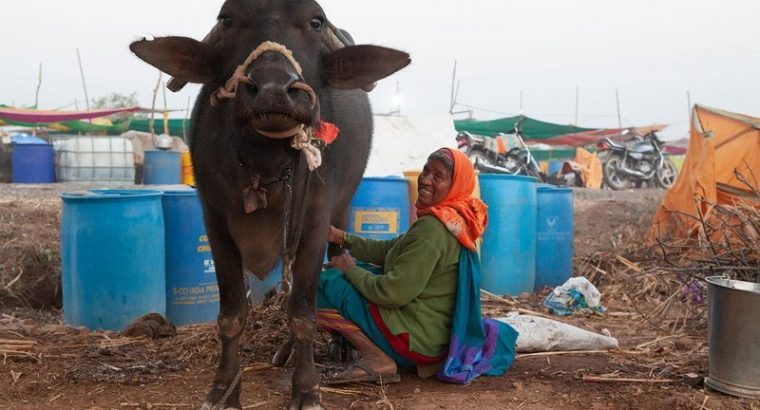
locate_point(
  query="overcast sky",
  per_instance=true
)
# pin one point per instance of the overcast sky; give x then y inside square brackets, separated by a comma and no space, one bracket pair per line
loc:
[651,51]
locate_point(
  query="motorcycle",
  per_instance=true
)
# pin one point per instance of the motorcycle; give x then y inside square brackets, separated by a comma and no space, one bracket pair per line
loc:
[638,162]
[485,154]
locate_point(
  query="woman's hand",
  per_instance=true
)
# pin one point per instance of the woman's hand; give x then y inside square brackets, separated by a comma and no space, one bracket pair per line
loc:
[335,235]
[343,262]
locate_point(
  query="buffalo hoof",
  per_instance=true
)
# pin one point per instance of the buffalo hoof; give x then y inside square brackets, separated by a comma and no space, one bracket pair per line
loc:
[208,406]
[283,355]
[306,401]
[222,398]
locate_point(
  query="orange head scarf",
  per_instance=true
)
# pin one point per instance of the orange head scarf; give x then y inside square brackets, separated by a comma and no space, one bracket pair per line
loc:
[464,216]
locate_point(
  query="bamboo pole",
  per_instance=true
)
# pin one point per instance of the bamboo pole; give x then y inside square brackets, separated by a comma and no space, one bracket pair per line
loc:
[617,101]
[37,94]
[84,85]
[166,112]
[595,379]
[151,123]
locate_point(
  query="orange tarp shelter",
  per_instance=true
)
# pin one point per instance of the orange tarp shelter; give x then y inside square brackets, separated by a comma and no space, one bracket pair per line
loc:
[591,168]
[721,145]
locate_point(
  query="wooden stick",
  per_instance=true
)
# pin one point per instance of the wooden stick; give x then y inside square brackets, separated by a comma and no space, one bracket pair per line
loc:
[595,379]
[17,342]
[702,407]
[151,123]
[257,367]
[557,353]
[84,85]
[499,298]
[534,313]
[166,112]
[11,352]
[571,352]
[659,339]
[37,94]
[621,314]
[255,405]
[514,303]
[629,264]
[345,392]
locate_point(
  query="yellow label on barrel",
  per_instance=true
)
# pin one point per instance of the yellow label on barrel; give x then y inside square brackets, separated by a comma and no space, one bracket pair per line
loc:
[376,220]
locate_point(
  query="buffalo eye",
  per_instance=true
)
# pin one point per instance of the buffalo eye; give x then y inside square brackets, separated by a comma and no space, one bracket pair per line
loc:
[317,23]
[226,21]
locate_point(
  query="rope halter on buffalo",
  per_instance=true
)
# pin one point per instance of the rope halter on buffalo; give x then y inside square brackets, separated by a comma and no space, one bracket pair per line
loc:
[304,138]
[308,140]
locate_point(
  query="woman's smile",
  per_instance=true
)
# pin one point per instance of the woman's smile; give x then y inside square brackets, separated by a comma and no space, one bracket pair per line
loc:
[433,183]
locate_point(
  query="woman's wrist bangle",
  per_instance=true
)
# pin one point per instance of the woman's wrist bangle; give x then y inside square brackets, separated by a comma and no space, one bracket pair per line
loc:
[346,241]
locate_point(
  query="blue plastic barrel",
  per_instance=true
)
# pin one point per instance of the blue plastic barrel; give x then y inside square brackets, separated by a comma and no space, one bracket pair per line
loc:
[258,288]
[112,258]
[162,168]
[508,254]
[554,236]
[380,208]
[33,164]
[555,166]
[192,293]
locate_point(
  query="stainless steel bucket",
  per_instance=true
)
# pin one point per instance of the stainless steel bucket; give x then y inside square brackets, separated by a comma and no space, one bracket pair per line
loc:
[734,329]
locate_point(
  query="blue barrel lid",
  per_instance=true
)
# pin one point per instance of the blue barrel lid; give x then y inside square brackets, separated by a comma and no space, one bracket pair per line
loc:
[181,192]
[101,194]
[392,178]
[523,178]
[549,188]
[27,139]
[125,192]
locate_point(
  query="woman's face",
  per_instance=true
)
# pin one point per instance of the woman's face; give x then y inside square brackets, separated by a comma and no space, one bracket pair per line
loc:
[433,183]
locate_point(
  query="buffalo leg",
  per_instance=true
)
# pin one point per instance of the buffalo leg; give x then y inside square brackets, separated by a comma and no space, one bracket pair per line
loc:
[233,309]
[302,320]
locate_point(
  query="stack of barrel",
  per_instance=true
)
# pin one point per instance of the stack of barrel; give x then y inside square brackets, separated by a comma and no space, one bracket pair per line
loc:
[529,240]
[126,253]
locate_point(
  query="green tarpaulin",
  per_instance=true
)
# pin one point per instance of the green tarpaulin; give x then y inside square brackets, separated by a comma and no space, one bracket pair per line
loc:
[85,127]
[531,129]
[175,126]
[550,154]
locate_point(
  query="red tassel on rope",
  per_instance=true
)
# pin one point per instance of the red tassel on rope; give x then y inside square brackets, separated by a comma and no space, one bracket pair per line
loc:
[327,132]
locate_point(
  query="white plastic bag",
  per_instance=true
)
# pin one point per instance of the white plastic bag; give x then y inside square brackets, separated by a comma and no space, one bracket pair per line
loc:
[574,295]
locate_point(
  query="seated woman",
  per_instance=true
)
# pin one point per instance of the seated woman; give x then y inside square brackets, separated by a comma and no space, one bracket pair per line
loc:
[402,316]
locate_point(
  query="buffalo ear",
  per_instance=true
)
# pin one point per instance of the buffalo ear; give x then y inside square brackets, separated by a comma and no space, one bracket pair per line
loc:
[359,66]
[180,57]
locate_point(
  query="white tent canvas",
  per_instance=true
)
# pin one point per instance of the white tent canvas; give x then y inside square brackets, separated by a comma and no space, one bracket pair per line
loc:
[403,143]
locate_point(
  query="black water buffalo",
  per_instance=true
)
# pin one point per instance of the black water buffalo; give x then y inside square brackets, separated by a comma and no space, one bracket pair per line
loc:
[276,76]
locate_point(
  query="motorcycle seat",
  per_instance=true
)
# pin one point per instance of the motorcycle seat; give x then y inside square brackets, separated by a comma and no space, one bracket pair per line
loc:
[614,144]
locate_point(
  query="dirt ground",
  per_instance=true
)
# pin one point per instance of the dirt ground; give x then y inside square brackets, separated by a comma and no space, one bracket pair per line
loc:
[46,365]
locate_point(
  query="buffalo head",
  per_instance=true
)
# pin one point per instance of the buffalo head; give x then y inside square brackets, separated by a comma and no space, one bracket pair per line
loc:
[277,91]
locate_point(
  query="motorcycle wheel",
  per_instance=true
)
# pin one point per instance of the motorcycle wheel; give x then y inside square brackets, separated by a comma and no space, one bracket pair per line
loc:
[665,177]
[610,174]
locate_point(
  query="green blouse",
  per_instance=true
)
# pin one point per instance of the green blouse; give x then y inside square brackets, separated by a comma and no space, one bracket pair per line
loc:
[416,292]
